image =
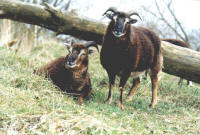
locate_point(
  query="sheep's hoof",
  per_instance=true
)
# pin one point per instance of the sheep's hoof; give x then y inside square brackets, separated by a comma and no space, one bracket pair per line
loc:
[109,100]
[80,100]
[189,84]
[121,106]
[128,99]
[145,78]
[152,105]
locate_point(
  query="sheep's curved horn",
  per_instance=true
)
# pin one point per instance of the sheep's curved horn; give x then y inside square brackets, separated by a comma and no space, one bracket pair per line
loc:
[134,13]
[112,9]
[91,43]
[70,42]
[68,46]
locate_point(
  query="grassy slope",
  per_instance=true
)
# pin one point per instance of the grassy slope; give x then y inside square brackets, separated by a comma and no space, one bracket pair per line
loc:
[30,104]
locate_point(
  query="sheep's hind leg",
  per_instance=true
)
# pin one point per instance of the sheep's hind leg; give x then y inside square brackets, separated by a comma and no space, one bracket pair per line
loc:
[132,91]
[180,81]
[80,99]
[154,81]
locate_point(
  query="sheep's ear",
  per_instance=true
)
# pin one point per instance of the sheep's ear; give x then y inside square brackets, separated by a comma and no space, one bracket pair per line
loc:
[91,43]
[132,21]
[110,12]
[90,51]
[70,42]
[109,15]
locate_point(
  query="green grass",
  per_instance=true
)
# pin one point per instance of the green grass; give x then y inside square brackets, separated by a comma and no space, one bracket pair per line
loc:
[30,104]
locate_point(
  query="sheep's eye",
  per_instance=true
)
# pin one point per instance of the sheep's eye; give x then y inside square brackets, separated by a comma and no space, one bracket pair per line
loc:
[83,54]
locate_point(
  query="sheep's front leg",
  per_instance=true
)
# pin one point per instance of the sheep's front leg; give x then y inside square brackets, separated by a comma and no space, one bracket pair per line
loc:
[122,84]
[80,99]
[111,84]
[180,81]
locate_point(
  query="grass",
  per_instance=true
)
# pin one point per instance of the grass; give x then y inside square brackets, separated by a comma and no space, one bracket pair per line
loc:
[30,104]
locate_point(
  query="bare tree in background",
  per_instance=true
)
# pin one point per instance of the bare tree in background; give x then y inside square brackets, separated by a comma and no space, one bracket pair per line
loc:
[171,25]
[12,33]
[194,37]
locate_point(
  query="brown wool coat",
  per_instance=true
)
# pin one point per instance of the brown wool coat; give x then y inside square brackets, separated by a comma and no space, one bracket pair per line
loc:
[139,50]
[177,42]
[71,81]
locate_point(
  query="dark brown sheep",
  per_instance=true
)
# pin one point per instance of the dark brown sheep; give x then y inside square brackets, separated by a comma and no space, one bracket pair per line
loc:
[70,73]
[130,50]
[181,44]
[177,42]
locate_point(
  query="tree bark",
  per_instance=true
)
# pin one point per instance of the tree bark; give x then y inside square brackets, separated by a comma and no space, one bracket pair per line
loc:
[182,62]
[178,61]
[52,19]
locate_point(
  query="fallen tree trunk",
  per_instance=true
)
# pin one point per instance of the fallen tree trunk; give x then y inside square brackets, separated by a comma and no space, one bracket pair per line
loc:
[178,61]
[182,62]
[52,19]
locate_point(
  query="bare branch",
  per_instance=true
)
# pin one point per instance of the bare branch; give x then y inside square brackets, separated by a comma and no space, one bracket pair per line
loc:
[54,3]
[48,17]
[166,22]
[169,4]
[179,24]
[66,6]
[50,8]
[161,17]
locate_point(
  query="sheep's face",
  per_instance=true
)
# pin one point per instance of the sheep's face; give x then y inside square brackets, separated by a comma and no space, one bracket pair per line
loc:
[78,55]
[120,21]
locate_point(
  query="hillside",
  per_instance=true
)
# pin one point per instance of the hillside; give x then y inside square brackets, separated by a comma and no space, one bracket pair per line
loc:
[30,104]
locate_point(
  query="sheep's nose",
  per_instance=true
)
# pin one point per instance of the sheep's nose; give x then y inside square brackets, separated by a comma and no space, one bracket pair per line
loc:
[118,29]
[70,60]
[119,25]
